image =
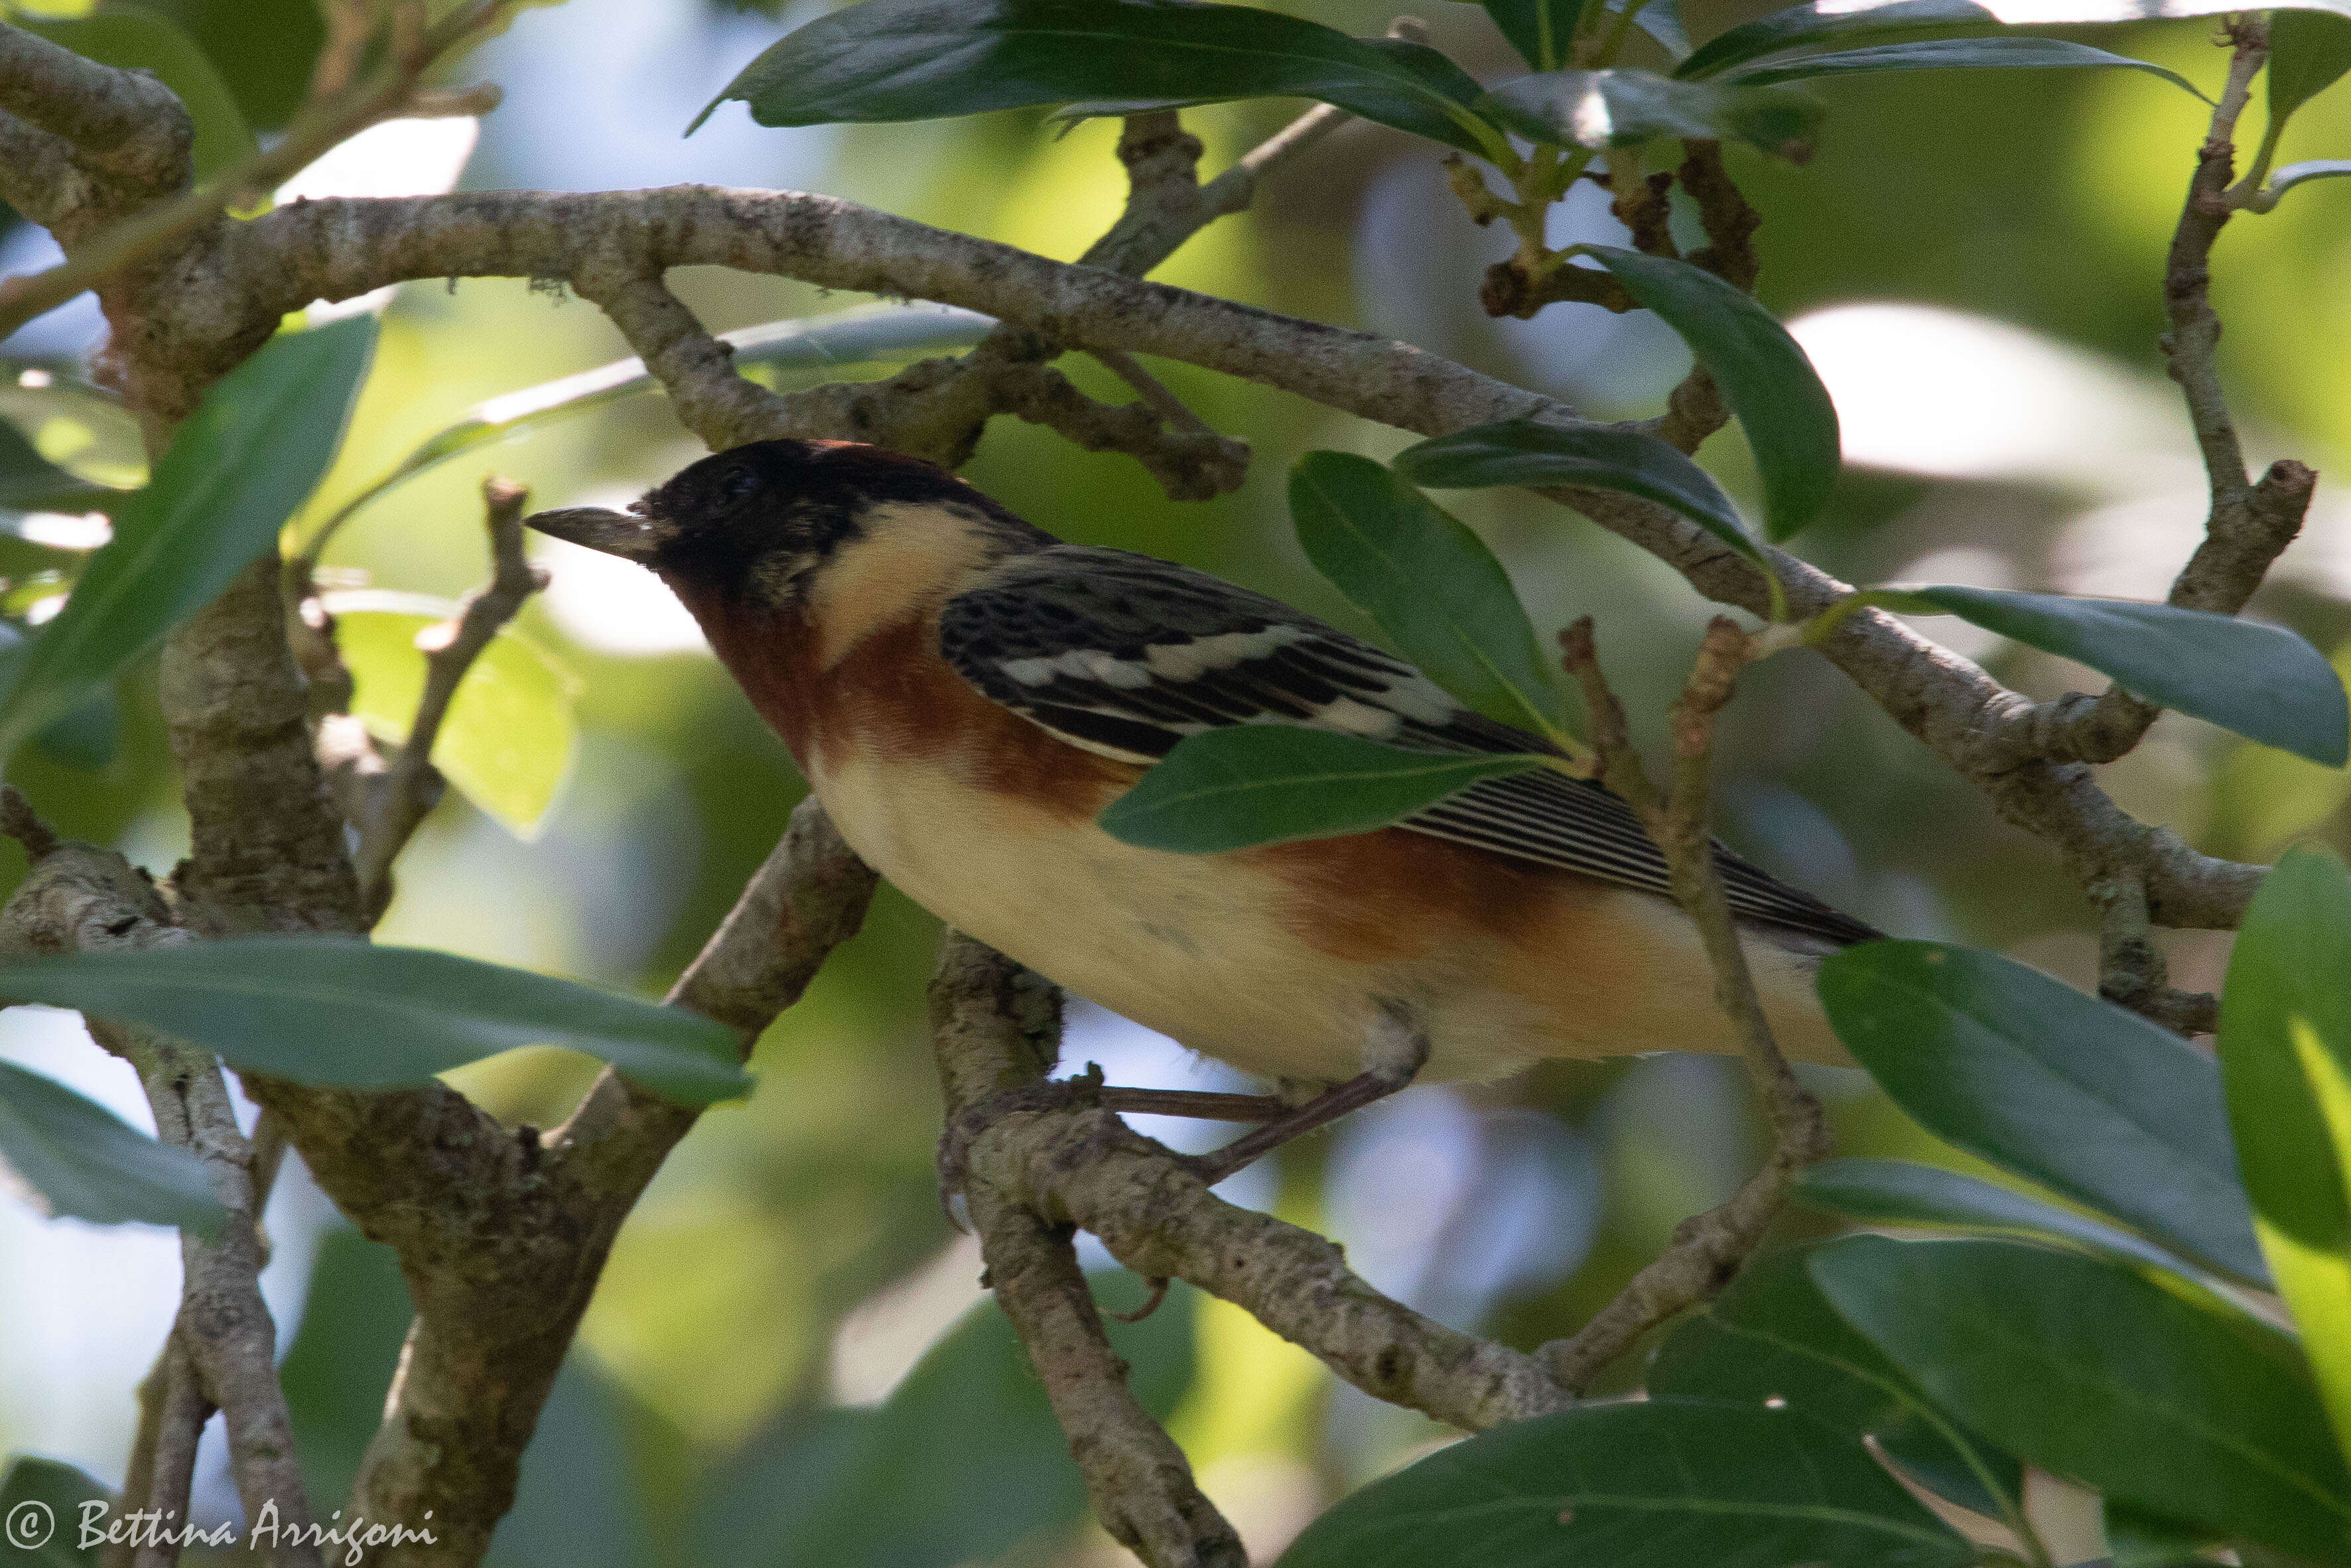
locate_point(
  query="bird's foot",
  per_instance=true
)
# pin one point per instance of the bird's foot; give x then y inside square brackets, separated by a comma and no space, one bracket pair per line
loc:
[1394,1052]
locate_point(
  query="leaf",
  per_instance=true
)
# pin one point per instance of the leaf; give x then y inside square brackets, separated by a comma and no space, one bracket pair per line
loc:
[582,1499]
[1817,23]
[53,1494]
[2075,1093]
[1946,55]
[2067,13]
[904,1484]
[1662,1483]
[2138,1539]
[31,483]
[2263,681]
[81,1161]
[236,470]
[2309,52]
[1528,452]
[511,730]
[876,334]
[1432,585]
[332,1010]
[1541,30]
[355,1317]
[2095,1372]
[922,59]
[1763,374]
[1249,784]
[2293,174]
[1772,1336]
[1896,1192]
[2285,1065]
[137,38]
[1623,108]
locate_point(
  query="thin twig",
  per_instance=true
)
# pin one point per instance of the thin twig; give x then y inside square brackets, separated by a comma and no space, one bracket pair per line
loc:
[181,1409]
[412,786]
[1165,404]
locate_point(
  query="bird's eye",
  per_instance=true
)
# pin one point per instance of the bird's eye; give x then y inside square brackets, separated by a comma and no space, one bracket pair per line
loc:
[736,484]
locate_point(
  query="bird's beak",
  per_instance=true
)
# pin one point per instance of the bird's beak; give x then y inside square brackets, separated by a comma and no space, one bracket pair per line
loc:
[615,533]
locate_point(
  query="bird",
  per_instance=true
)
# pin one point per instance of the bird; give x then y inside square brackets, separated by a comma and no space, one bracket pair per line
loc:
[966,693]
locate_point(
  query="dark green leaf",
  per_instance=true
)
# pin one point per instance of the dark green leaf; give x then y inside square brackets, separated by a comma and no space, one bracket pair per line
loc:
[905,1486]
[236,470]
[1541,30]
[2309,52]
[1432,585]
[1267,783]
[2263,681]
[2138,1539]
[2092,1370]
[85,738]
[137,38]
[82,1161]
[46,1498]
[1771,1336]
[922,59]
[1623,108]
[1896,1192]
[31,483]
[1801,27]
[1664,1483]
[1527,451]
[1945,54]
[330,1010]
[1662,20]
[2285,1058]
[1764,376]
[355,1318]
[2075,1093]
[582,1500]
[2293,174]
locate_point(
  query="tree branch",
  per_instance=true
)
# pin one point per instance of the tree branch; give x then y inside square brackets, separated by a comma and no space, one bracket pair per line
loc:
[122,122]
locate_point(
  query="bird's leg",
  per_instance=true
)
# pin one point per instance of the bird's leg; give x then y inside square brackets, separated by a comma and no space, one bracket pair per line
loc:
[1395,1048]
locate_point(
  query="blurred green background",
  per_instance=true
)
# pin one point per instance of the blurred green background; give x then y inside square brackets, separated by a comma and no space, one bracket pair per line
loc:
[1973,258]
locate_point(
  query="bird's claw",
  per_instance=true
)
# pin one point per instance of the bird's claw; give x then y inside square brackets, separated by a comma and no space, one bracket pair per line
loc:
[1045,1094]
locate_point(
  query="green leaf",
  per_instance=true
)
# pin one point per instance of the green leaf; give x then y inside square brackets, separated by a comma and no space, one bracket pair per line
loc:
[1663,1483]
[1250,784]
[81,1161]
[331,1009]
[31,483]
[1896,1192]
[1527,451]
[2286,1064]
[2309,52]
[1817,23]
[236,470]
[2090,1101]
[47,1492]
[1771,1336]
[771,353]
[2293,174]
[508,738]
[2069,13]
[355,1317]
[2263,681]
[83,428]
[922,59]
[1541,30]
[1432,585]
[1623,108]
[1662,20]
[1946,55]
[1763,374]
[904,1484]
[2138,1539]
[2092,1370]
[137,38]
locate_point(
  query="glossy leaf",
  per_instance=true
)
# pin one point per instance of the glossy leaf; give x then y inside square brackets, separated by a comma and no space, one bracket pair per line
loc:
[1623,108]
[1528,452]
[1821,21]
[1662,1483]
[138,38]
[1541,30]
[922,59]
[81,1161]
[2285,179]
[1268,783]
[2263,681]
[331,1009]
[236,470]
[61,1491]
[1432,585]
[1771,1336]
[2285,1058]
[1896,1192]
[1946,55]
[1764,375]
[2090,1101]
[1662,20]
[2091,1370]
[511,731]
[772,354]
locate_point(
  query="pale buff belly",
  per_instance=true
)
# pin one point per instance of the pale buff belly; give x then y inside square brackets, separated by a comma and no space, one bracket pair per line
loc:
[1204,948]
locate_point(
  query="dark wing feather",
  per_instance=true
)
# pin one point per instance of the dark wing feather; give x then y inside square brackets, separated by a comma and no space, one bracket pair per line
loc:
[1124,655]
